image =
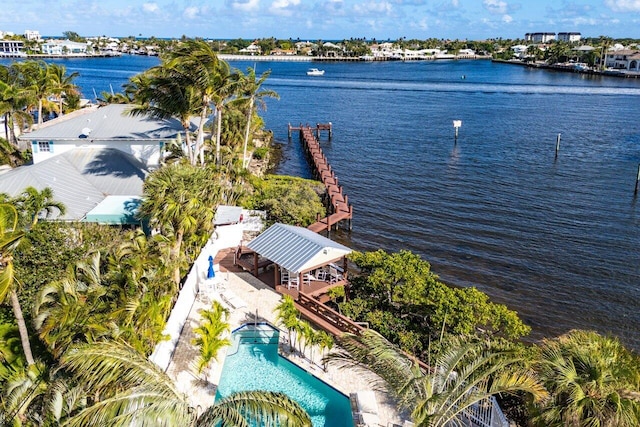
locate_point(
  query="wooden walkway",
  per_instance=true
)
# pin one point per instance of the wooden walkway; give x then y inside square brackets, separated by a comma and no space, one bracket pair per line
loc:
[340,209]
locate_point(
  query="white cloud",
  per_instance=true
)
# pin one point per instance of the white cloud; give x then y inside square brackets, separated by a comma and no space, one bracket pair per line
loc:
[281,4]
[455,3]
[507,19]
[246,5]
[623,5]
[191,12]
[373,7]
[497,7]
[150,7]
[284,7]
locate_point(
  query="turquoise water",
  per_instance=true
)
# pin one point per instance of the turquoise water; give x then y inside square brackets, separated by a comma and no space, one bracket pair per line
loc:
[254,364]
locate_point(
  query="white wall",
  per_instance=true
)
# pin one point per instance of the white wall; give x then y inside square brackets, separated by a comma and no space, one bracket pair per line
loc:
[228,236]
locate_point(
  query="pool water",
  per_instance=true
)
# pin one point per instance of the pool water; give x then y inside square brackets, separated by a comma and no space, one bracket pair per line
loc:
[253,363]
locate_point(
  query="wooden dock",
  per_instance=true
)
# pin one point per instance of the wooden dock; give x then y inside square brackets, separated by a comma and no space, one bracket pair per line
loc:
[340,209]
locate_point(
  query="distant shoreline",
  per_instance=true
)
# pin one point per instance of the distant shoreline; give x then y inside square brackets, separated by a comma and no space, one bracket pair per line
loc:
[303,58]
[274,58]
[570,68]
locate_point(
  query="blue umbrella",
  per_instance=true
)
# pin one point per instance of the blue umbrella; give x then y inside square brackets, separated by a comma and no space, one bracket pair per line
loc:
[210,273]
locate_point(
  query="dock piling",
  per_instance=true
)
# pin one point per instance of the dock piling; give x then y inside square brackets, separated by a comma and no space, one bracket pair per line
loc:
[558,144]
[637,180]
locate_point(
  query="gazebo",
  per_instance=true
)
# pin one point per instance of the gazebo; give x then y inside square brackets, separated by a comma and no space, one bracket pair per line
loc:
[301,256]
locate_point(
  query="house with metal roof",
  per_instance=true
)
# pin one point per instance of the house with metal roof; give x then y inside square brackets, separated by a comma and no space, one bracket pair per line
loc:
[106,126]
[95,184]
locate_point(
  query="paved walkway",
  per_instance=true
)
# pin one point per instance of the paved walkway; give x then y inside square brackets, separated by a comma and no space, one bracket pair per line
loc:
[244,296]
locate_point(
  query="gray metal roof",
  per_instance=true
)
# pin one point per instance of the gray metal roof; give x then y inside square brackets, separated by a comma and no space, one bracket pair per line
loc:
[80,178]
[297,249]
[110,122]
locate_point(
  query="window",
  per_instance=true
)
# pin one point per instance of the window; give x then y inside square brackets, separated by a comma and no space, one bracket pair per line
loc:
[44,147]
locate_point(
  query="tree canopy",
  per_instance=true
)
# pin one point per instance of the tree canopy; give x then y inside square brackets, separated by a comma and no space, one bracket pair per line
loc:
[399,296]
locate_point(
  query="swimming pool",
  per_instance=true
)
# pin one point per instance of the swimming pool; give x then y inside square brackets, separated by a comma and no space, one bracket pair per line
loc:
[253,363]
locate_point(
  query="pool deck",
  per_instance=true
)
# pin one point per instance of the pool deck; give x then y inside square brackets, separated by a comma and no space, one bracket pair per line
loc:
[244,295]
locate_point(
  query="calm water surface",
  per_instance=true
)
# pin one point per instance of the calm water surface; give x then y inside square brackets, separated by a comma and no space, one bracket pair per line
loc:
[558,240]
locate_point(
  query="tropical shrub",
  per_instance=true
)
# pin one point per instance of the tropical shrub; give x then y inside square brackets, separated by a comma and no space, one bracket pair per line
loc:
[593,381]
[396,293]
[289,200]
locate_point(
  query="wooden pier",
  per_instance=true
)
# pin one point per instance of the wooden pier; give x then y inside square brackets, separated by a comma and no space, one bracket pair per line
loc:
[319,127]
[340,209]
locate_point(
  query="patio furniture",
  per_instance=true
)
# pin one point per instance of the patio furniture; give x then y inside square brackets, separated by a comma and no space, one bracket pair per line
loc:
[307,278]
[366,408]
[293,283]
[321,274]
[334,274]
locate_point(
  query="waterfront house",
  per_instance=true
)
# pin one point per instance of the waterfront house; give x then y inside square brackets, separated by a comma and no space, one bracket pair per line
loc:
[102,185]
[519,51]
[625,59]
[12,48]
[63,47]
[107,126]
[252,49]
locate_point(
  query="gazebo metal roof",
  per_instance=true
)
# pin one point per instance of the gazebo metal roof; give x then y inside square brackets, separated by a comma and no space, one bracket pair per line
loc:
[297,249]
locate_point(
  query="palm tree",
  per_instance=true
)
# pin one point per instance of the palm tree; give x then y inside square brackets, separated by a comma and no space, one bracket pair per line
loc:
[179,200]
[61,84]
[325,342]
[72,310]
[209,334]
[199,67]
[593,381]
[130,390]
[160,94]
[13,100]
[41,395]
[287,315]
[251,88]
[10,237]
[34,202]
[467,373]
[37,82]
[9,155]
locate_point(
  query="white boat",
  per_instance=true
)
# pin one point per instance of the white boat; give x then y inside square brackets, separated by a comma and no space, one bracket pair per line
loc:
[315,72]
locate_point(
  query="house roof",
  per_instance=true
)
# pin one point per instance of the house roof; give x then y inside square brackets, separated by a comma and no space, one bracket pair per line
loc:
[107,123]
[297,249]
[80,178]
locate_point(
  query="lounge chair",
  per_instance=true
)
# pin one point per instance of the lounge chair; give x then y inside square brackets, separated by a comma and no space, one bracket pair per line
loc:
[366,407]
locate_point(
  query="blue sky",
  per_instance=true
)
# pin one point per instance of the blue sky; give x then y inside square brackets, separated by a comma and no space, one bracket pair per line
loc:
[324,19]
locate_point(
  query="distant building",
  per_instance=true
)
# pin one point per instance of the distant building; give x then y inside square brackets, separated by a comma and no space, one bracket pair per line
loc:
[252,49]
[569,37]
[32,35]
[519,50]
[63,47]
[12,48]
[540,37]
[626,59]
